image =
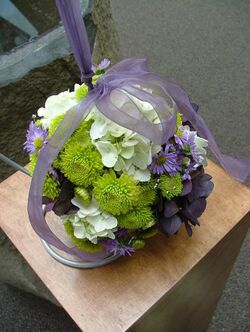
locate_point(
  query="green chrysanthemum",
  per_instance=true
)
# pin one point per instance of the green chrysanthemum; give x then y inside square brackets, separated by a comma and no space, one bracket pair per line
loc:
[81,164]
[55,123]
[170,186]
[138,244]
[178,124]
[83,194]
[147,193]
[116,195]
[82,244]
[81,134]
[141,217]
[32,163]
[51,187]
[81,92]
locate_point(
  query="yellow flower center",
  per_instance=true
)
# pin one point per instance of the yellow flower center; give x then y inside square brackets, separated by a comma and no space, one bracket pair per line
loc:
[38,143]
[161,160]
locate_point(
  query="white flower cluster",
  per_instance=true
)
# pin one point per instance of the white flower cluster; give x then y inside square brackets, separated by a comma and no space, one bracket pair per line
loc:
[90,222]
[121,148]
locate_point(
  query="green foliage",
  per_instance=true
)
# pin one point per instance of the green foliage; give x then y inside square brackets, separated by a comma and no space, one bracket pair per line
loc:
[116,195]
[148,233]
[82,244]
[138,244]
[170,186]
[140,217]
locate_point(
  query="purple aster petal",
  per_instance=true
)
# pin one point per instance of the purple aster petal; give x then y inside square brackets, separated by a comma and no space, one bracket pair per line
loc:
[33,133]
[103,64]
[112,246]
[126,250]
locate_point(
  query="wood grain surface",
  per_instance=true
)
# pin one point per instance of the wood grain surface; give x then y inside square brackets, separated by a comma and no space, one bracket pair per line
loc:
[114,297]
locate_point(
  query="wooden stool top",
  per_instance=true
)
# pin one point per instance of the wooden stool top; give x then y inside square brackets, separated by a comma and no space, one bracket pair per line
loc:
[113,297]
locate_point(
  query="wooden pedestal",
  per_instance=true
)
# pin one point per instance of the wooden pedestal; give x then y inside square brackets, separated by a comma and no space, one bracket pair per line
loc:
[171,285]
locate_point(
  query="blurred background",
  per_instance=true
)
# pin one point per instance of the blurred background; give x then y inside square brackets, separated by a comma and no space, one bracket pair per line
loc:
[202,45]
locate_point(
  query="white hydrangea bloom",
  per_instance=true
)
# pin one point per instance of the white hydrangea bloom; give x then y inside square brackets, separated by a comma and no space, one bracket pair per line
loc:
[91,223]
[121,148]
[200,145]
[56,105]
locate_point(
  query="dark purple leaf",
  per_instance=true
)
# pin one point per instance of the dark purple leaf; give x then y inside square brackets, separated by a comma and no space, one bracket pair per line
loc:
[187,187]
[63,203]
[188,228]
[195,209]
[170,208]
[170,225]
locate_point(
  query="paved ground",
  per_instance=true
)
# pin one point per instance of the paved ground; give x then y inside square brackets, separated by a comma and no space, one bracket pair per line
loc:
[205,47]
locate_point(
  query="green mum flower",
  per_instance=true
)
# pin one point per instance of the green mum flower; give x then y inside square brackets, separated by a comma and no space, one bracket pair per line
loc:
[82,244]
[32,163]
[170,186]
[147,193]
[178,124]
[141,217]
[81,92]
[138,244]
[83,194]
[116,195]
[51,187]
[54,124]
[81,164]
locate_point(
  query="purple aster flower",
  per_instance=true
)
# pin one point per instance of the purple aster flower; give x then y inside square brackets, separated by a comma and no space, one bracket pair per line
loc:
[102,65]
[126,250]
[115,247]
[188,140]
[35,138]
[165,162]
[190,168]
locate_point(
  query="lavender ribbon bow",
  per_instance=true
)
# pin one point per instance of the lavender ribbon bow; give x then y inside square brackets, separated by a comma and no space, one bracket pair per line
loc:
[117,95]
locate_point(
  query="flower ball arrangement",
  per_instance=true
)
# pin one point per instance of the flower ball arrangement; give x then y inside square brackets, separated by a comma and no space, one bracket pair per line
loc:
[114,188]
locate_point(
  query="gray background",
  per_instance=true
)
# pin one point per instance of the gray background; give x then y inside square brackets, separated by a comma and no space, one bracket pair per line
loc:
[205,47]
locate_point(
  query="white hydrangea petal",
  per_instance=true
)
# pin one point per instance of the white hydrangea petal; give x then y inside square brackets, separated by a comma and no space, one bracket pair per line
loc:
[108,152]
[127,152]
[41,111]
[79,230]
[91,210]
[98,128]
[142,175]
[142,158]
[155,149]
[120,164]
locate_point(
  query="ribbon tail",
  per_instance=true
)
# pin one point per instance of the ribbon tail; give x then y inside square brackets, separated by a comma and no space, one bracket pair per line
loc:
[69,124]
[239,168]
[74,26]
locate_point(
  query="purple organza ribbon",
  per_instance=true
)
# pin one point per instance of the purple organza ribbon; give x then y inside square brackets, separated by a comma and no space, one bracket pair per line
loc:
[116,96]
